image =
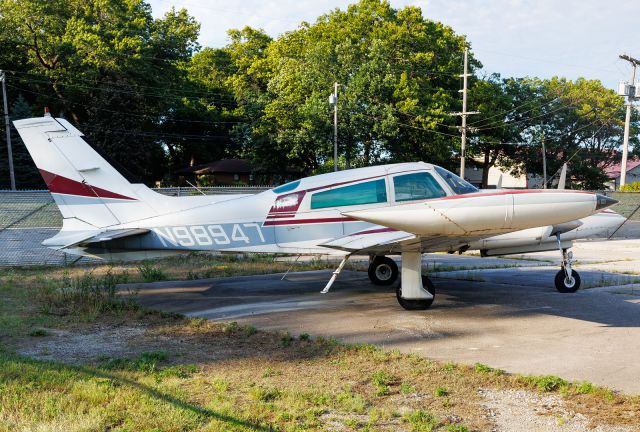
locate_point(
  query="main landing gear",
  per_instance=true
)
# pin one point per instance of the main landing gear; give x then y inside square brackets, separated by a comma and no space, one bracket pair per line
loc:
[383,270]
[567,280]
[415,291]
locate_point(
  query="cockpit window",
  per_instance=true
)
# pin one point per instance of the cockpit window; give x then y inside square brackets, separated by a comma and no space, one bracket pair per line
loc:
[287,187]
[362,193]
[459,186]
[416,186]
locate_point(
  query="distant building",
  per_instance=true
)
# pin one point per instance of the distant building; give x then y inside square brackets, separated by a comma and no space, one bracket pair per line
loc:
[498,177]
[229,172]
[613,173]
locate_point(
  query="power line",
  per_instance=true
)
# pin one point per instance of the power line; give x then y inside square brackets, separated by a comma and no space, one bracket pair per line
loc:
[122,91]
[51,97]
[515,122]
[504,113]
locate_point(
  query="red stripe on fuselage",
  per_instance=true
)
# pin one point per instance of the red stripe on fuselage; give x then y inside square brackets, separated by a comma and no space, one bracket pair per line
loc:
[308,221]
[63,185]
[375,231]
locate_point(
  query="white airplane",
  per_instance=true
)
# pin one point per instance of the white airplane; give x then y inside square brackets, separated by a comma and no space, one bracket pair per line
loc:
[406,209]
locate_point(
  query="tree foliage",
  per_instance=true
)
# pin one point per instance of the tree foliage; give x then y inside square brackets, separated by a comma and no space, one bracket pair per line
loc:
[146,93]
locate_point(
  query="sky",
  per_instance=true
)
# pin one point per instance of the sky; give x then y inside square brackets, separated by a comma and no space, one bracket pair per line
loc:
[516,38]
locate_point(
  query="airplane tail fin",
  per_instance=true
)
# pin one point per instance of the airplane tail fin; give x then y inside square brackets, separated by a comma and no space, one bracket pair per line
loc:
[90,193]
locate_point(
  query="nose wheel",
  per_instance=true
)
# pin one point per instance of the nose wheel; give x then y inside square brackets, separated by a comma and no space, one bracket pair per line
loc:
[567,280]
[383,271]
[421,304]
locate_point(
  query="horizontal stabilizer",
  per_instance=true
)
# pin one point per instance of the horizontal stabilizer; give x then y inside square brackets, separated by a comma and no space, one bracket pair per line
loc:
[67,239]
[115,234]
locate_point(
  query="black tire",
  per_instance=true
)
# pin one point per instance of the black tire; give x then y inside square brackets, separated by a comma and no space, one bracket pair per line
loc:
[383,271]
[417,304]
[562,285]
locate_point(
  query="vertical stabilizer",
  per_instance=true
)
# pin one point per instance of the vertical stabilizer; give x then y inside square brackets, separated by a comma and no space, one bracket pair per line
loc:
[83,184]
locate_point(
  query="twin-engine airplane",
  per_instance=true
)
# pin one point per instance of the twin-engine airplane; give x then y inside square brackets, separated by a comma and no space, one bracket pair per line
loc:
[406,209]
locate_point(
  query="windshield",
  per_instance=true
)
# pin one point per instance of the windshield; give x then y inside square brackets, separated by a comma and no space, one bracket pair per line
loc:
[458,185]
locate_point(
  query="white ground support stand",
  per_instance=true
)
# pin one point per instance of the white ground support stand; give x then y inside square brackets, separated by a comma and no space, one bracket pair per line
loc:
[335,275]
[411,277]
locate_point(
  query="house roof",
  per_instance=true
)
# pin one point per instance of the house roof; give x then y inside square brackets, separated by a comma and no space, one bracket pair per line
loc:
[228,166]
[613,171]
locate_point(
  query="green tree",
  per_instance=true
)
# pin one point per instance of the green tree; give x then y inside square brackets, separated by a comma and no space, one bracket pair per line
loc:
[108,65]
[398,75]
[581,122]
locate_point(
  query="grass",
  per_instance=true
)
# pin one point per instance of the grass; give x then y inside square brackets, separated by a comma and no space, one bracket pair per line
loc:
[195,375]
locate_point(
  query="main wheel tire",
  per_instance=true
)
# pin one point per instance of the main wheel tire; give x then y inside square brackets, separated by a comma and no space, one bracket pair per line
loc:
[383,271]
[421,304]
[567,286]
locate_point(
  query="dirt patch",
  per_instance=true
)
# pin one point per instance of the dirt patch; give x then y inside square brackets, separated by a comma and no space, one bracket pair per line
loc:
[521,410]
[89,344]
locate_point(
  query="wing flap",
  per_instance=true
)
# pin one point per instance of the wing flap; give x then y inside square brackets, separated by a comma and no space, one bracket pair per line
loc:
[377,238]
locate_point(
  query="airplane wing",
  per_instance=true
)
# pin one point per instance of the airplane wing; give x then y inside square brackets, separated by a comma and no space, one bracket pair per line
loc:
[383,240]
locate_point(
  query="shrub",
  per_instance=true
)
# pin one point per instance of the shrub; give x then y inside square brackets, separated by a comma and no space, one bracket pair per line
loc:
[151,273]
[631,187]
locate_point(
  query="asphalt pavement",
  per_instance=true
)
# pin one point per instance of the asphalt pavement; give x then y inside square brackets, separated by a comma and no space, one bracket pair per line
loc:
[507,315]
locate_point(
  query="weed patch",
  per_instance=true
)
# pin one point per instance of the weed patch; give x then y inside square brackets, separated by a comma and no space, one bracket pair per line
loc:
[150,272]
[381,380]
[85,295]
[147,362]
[38,333]
[421,421]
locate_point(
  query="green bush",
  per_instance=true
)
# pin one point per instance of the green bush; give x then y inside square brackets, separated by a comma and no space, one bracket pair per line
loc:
[631,187]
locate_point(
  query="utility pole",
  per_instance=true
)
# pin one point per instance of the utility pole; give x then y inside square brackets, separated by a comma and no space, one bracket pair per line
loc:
[12,176]
[464,113]
[631,96]
[333,100]
[544,164]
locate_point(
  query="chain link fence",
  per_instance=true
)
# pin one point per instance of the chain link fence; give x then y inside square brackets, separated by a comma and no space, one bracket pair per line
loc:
[27,218]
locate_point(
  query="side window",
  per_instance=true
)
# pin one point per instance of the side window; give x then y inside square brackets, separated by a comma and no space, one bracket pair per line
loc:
[416,186]
[361,193]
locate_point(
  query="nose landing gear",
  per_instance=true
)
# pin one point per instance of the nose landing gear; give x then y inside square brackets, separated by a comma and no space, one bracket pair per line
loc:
[567,280]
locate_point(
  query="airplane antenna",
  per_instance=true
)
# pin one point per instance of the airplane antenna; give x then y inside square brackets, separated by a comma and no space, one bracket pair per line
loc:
[195,187]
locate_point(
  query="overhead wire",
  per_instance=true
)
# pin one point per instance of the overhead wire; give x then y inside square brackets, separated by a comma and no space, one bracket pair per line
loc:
[129,132]
[53,97]
[131,92]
